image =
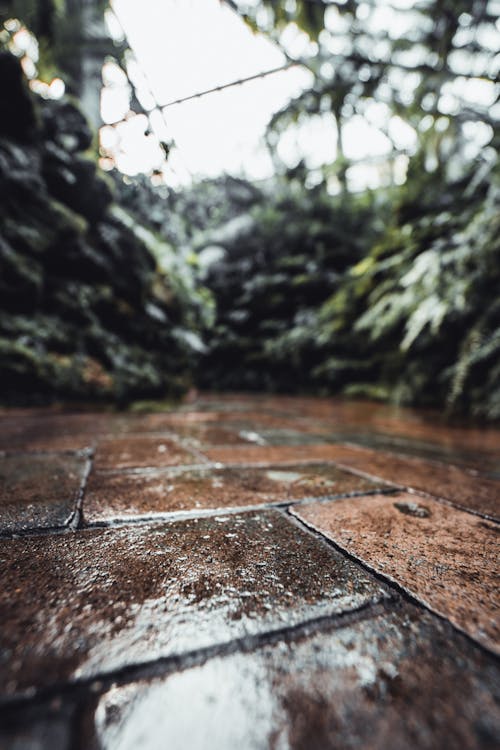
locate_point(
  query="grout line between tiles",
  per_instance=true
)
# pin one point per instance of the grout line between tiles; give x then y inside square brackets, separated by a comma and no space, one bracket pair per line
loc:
[75,518]
[183,515]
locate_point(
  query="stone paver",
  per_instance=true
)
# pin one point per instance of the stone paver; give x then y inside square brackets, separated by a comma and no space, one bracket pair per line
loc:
[231,432]
[264,454]
[341,415]
[102,599]
[111,495]
[372,685]
[38,490]
[53,432]
[133,452]
[400,680]
[446,558]
[249,434]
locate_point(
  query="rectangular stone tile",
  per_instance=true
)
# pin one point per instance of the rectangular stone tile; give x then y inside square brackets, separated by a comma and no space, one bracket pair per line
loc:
[423,424]
[444,557]
[401,680]
[461,487]
[485,463]
[134,452]
[48,443]
[110,495]
[38,490]
[262,420]
[165,421]
[232,402]
[200,436]
[53,432]
[415,425]
[83,604]
[263,454]
[279,437]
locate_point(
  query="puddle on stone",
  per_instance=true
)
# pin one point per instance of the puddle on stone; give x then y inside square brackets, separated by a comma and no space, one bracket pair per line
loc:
[370,684]
[209,706]
[284,476]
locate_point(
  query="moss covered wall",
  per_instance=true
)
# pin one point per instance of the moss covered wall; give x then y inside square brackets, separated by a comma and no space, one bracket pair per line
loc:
[85,309]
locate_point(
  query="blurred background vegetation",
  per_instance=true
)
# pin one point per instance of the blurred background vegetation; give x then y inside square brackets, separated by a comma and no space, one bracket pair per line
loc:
[120,289]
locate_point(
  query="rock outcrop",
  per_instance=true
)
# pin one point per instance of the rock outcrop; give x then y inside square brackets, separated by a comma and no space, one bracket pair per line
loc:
[85,310]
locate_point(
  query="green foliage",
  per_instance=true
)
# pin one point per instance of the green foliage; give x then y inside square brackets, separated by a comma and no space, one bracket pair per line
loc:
[277,263]
[308,15]
[416,71]
[393,297]
[421,312]
[86,309]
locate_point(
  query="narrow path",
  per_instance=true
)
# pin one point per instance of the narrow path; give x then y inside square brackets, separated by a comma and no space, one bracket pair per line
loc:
[253,571]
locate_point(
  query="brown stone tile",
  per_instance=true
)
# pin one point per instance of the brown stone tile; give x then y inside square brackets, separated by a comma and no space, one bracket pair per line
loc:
[52,432]
[83,604]
[460,487]
[476,439]
[336,414]
[261,420]
[233,402]
[421,424]
[278,437]
[444,557]
[337,410]
[244,433]
[159,422]
[401,680]
[48,444]
[214,429]
[263,454]
[38,490]
[132,452]
[110,495]
[487,464]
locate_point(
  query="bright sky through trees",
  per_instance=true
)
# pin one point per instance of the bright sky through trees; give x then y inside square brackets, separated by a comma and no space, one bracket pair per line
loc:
[186,46]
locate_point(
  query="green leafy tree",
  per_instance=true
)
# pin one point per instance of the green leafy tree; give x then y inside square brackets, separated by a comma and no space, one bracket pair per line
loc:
[417,62]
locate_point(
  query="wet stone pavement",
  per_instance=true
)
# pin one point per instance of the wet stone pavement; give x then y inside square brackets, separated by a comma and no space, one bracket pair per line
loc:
[248,571]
